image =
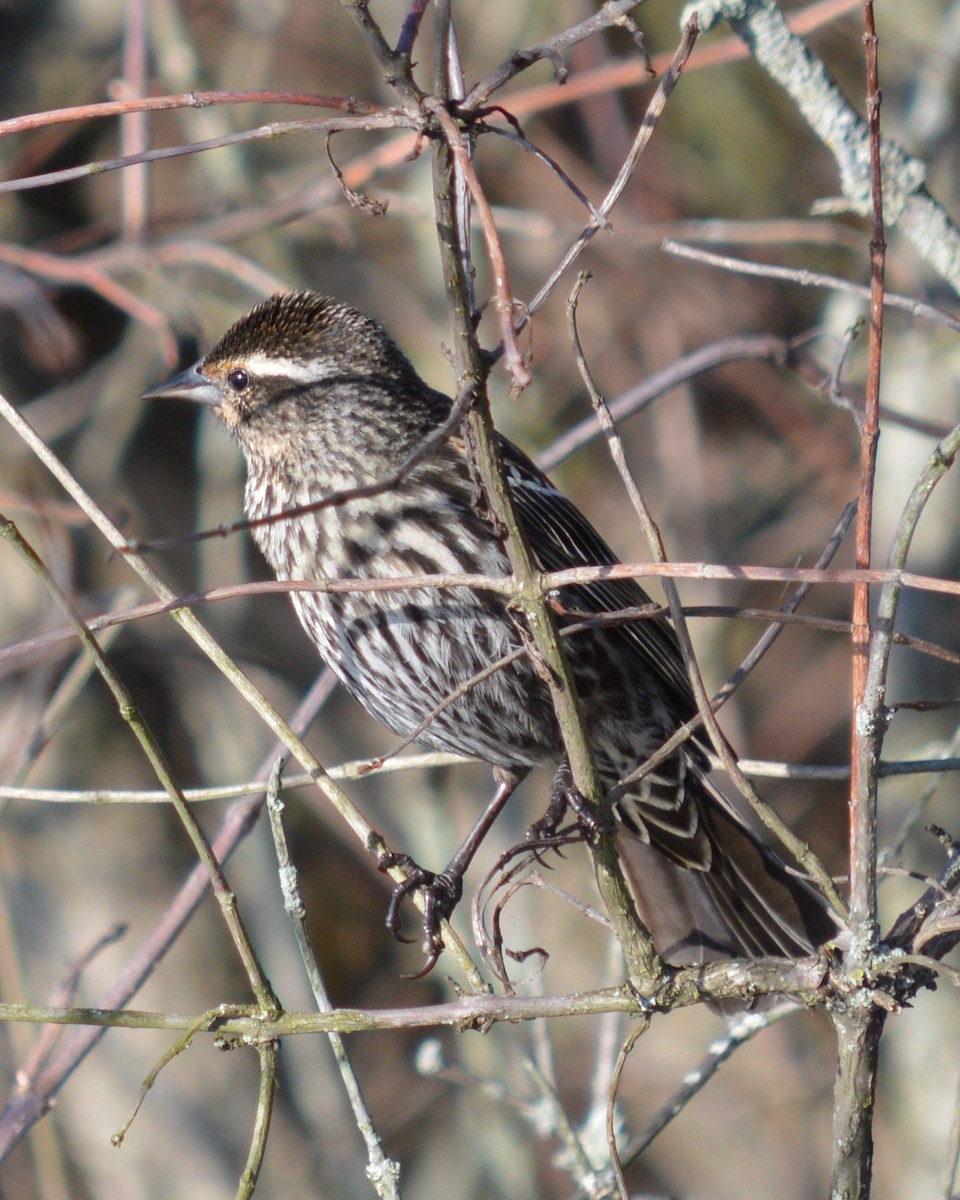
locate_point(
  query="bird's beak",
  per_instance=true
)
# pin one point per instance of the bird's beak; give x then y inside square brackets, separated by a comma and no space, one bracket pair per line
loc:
[188,385]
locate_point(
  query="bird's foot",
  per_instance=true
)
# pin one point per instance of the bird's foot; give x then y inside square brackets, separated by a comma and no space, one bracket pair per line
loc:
[441,894]
[566,799]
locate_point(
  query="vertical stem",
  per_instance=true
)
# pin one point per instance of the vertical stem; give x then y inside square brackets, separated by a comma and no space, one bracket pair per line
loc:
[134,125]
[858,1050]
[868,726]
[859,1028]
[642,962]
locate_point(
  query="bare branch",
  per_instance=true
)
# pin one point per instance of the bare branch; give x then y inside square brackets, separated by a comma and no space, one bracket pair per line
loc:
[853,141]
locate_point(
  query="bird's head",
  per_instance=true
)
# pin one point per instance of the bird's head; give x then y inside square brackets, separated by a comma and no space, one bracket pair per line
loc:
[304,371]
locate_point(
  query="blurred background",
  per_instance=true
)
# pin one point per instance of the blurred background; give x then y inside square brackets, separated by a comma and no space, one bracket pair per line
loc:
[111,281]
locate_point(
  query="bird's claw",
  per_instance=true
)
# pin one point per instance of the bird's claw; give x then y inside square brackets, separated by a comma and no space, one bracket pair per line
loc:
[566,798]
[441,894]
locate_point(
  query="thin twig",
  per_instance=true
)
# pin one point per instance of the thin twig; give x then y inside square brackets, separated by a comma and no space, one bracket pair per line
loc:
[130,713]
[270,132]
[358,769]
[616,1164]
[504,296]
[382,1171]
[803,277]
[410,28]
[722,1049]
[706,708]
[395,64]
[654,111]
[552,50]
[550,580]
[629,73]
[146,104]
[268,1051]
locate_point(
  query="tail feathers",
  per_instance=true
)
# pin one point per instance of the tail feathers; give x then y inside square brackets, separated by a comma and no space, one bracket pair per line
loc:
[740,901]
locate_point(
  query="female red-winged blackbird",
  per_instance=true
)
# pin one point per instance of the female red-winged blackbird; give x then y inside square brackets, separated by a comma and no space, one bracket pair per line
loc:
[321,401]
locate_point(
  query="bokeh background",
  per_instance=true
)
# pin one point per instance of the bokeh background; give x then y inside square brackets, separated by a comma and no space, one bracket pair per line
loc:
[112,281]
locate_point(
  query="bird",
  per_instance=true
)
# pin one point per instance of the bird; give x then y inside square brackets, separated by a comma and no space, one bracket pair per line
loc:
[329,412]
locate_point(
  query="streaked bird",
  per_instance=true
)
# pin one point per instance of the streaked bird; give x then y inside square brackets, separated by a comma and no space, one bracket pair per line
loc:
[322,401]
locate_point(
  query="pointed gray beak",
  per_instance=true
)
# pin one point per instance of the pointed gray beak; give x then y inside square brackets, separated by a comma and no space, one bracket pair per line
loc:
[188,385]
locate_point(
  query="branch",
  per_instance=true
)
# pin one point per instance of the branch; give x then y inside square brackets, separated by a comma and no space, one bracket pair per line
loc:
[802,979]
[277,129]
[612,13]
[28,1109]
[643,964]
[144,104]
[805,278]
[383,1172]
[654,111]
[789,61]
[130,713]
[859,1027]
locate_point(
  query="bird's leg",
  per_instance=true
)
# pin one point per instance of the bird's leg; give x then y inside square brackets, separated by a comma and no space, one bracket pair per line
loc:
[442,891]
[564,798]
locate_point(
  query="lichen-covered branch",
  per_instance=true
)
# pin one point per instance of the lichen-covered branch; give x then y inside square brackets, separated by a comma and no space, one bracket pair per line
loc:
[789,61]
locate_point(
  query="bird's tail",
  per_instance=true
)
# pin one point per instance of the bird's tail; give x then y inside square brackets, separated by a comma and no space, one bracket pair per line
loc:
[733,899]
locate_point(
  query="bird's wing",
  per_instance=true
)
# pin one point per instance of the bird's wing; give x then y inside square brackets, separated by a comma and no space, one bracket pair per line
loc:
[562,537]
[705,885]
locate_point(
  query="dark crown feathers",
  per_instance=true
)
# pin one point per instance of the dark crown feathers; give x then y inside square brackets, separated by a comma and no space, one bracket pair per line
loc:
[301,325]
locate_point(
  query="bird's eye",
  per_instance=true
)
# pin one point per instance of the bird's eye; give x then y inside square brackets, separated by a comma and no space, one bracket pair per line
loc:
[238,380]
